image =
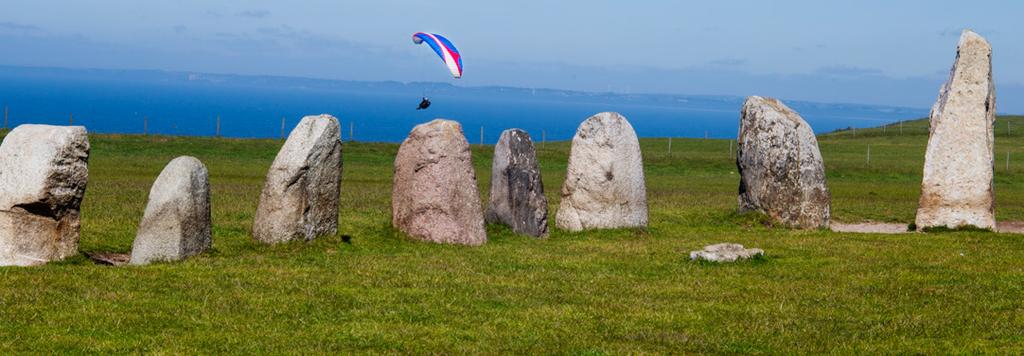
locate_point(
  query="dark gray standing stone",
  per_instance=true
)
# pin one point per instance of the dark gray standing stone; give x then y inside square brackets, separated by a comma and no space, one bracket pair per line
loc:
[176,223]
[604,184]
[43,173]
[435,197]
[956,187]
[517,193]
[300,197]
[781,171]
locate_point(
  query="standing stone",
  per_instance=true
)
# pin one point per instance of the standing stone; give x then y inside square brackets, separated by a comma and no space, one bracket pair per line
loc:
[604,183]
[956,189]
[176,223]
[781,171]
[300,197]
[435,197]
[43,172]
[517,193]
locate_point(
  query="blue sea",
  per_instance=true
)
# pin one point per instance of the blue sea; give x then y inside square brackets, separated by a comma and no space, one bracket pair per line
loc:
[180,103]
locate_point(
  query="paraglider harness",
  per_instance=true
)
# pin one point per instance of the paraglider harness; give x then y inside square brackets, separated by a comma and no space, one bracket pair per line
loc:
[424,104]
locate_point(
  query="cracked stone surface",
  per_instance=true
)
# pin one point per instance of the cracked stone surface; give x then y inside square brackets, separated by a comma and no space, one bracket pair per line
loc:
[517,192]
[299,200]
[43,174]
[781,171]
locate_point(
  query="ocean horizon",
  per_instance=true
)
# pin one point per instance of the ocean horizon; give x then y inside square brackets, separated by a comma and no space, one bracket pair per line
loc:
[191,104]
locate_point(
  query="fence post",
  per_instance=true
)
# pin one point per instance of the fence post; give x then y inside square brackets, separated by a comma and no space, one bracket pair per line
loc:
[670,145]
[869,155]
[217,133]
[901,127]
[481,135]
[351,131]
[543,137]
[705,134]
[282,127]
[145,125]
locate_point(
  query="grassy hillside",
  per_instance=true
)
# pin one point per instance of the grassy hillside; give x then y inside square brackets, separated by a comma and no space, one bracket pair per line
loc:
[617,291]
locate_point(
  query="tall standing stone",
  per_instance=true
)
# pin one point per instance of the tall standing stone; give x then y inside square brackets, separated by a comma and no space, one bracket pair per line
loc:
[300,197]
[781,171]
[956,189]
[435,197]
[604,183]
[43,173]
[176,223]
[517,193]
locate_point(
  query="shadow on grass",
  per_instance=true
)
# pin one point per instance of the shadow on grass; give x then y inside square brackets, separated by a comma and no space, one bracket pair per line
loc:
[944,229]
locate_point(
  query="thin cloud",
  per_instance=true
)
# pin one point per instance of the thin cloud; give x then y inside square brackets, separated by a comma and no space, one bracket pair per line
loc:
[19,28]
[848,71]
[254,14]
[728,62]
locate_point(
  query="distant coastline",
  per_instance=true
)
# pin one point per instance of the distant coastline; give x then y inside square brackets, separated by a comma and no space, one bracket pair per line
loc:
[188,103]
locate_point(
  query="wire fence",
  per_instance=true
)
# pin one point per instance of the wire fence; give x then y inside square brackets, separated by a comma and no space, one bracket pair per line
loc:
[897,135]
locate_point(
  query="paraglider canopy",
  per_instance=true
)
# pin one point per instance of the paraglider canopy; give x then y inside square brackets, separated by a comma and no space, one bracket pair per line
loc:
[444,49]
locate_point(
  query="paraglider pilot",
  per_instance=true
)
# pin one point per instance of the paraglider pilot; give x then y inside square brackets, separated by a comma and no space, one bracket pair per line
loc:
[424,104]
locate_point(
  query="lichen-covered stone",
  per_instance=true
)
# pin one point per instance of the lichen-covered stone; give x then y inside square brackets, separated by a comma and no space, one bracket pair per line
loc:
[725,252]
[300,197]
[604,185]
[176,223]
[517,193]
[956,189]
[781,171]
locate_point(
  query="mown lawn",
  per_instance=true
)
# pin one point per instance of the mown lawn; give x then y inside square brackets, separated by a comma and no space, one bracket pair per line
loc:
[618,291]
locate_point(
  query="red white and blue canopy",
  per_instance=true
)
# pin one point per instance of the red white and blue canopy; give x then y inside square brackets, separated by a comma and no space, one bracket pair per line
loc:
[444,48]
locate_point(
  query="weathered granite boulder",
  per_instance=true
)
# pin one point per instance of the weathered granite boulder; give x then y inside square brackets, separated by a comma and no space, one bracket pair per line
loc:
[725,252]
[604,183]
[781,171]
[300,197]
[176,223]
[517,193]
[956,189]
[435,197]
[43,173]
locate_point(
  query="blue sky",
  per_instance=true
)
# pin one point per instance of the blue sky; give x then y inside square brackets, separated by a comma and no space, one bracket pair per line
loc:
[880,52]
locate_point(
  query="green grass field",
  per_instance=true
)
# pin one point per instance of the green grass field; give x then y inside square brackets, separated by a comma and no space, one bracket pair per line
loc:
[596,292]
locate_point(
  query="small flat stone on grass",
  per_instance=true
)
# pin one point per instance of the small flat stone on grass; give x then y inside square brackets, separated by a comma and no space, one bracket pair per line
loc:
[109,258]
[1010,227]
[725,252]
[870,227]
